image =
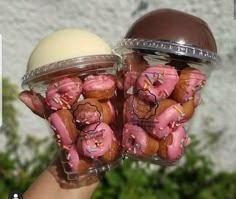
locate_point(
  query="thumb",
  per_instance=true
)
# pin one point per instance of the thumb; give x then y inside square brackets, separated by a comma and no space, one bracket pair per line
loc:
[33,102]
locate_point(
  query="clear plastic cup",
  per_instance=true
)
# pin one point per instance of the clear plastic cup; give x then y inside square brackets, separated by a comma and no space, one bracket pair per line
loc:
[80,97]
[162,81]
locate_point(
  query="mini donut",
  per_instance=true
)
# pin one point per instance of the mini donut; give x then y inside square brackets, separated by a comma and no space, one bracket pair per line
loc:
[108,111]
[136,109]
[171,148]
[65,130]
[168,116]
[63,92]
[113,153]
[189,109]
[95,140]
[191,80]
[77,163]
[87,111]
[137,142]
[157,82]
[99,86]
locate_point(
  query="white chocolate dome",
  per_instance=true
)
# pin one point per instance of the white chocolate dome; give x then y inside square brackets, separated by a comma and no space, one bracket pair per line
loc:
[66,44]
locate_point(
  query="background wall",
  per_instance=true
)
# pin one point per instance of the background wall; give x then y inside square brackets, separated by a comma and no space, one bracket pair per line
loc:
[24,23]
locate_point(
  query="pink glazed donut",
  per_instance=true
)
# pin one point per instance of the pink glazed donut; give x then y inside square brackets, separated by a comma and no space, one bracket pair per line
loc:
[162,124]
[157,82]
[190,82]
[72,158]
[62,93]
[172,147]
[137,142]
[99,86]
[65,130]
[95,140]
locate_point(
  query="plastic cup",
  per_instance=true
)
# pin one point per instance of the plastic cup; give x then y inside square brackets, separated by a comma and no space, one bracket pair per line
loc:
[80,97]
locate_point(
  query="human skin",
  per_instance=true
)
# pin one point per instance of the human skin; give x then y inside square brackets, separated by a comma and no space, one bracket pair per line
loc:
[52,183]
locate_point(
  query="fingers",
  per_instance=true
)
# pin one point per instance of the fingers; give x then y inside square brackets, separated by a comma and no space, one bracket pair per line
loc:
[33,102]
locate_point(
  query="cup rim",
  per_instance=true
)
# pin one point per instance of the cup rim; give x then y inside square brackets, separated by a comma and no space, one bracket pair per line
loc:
[169,47]
[77,62]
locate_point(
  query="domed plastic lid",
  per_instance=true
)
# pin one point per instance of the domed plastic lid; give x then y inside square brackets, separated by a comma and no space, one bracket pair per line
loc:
[74,66]
[174,32]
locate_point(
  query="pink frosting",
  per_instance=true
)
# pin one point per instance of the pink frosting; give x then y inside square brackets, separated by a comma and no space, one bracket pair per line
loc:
[85,117]
[72,157]
[129,81]
[130,111]
[158,81]
[163,124]
[195,82]
[61,93]
[96,141]
[176,149]
[134,139]
[98,83]
[62,134]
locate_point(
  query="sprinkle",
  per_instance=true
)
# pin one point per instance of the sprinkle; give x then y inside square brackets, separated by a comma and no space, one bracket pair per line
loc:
[66,97]
[132,136]
[60,102]
[149,79]
[68,156]
[165,92]
[53,127]
[90,150]
[58,136]
[77,121]
[172,125]
[65,147]
[64,101]
[71,97]
[56,84]
[55,100]
[160,80]
[135,151]
[146,86]
[53,108]
[161,128]
[177,109]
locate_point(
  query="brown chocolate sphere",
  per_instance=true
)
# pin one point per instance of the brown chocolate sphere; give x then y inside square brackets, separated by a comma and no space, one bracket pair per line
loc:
[174,26]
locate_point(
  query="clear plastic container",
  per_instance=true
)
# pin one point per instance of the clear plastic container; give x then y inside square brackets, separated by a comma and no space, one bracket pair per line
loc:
[162,81]
[80,105]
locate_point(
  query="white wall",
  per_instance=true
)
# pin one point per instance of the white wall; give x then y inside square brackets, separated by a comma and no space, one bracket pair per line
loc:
[23,23]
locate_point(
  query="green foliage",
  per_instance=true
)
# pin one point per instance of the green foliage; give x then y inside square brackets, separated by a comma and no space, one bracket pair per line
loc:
[16,172]
[192,178]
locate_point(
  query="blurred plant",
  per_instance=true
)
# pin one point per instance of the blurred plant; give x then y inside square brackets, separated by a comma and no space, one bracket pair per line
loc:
[192,178]
[17,172]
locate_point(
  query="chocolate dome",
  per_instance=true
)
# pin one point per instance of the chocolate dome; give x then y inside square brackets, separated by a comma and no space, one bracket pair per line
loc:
[175,26]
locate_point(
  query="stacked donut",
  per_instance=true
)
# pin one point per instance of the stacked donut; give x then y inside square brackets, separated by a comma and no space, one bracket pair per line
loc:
[82,119]
[159,100]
